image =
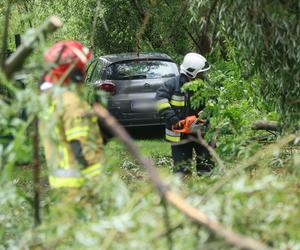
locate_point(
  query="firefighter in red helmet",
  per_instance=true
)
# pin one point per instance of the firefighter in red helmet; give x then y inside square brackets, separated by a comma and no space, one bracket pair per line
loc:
[73,144]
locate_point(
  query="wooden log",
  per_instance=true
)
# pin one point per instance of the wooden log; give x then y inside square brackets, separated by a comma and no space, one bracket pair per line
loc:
[265,125]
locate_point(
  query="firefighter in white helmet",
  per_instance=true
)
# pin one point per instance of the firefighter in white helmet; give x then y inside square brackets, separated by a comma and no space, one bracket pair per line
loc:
[174,105]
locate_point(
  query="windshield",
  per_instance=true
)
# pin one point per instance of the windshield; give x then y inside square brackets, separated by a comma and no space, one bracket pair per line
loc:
[151,69]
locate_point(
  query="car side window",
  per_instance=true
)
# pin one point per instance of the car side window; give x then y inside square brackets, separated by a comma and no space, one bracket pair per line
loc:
[89,70]
[96,72]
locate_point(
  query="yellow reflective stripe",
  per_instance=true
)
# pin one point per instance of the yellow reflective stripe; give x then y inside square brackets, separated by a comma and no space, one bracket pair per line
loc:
[178,97]
[76,130]
[74,133]
[59,182]
[92,170]
[172,133]
[173,138]
[161,106]
[76,136]
[177,103]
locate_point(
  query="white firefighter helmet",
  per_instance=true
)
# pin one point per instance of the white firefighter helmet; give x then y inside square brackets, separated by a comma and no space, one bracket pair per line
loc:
[193,64]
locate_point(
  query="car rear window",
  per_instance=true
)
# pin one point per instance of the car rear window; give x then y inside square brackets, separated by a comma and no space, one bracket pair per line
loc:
[150,69]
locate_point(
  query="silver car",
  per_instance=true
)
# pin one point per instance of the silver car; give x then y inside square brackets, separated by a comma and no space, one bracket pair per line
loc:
[131,80]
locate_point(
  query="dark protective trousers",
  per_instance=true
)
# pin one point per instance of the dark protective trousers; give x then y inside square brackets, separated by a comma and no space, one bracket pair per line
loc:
[183,156]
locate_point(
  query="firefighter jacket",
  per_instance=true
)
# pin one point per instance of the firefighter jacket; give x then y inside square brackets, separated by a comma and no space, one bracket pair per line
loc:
[173,105]
[72,141]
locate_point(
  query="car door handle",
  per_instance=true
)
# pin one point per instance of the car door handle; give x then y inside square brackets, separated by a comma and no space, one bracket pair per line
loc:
[147,85]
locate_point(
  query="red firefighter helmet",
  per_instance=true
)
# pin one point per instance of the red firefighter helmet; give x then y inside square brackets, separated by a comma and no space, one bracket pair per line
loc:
[67,56]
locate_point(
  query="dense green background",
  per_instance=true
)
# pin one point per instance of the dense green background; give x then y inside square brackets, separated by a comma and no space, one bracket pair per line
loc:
[253,47]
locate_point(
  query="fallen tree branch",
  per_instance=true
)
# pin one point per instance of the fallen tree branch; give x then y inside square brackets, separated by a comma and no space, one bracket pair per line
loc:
[177,201]
[265,125]
[295,101]
[36,173]
[211,151]
[97,10]
[169,231]
[15,61]
[5,33]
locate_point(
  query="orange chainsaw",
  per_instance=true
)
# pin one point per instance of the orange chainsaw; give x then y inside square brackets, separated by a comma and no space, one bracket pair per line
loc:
[188,125]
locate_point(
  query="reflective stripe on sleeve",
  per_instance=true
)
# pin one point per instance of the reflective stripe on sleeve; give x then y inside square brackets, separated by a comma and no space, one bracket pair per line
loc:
[177,100]
[172,136]
[163,104]
[77,132]
[177,97]
[92,170]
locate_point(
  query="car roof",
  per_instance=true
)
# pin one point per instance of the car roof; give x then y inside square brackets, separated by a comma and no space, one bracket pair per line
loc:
[113,58]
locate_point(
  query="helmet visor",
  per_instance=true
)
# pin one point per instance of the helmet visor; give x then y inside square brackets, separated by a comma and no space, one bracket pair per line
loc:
[205,68]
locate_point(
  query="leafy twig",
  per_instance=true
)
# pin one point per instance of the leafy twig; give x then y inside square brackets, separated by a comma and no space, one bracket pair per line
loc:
[169,231]
[15,61]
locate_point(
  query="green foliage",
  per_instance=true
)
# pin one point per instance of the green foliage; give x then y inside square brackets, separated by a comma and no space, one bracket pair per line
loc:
[15,130]
[15,216]
[267,32]
[125,20]
[118,24]
[277,28]
[260,43]
[77,17]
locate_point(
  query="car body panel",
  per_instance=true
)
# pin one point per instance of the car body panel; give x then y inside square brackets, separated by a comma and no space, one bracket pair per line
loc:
[137,78]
